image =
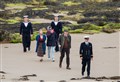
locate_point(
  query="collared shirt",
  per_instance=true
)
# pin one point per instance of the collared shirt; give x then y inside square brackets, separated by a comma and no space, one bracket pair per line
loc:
[55,22]
[87,43]
[26,24]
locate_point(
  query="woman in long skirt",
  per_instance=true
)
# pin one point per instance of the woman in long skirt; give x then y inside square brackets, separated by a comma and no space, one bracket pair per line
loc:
[41,45]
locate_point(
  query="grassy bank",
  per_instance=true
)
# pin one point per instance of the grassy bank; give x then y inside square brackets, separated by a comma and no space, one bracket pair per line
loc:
[86,29]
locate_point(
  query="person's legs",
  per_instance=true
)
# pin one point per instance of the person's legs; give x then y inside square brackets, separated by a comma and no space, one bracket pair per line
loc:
[83,66]
[49,49]
[67,57]
[24,42]
[88,67]
[57,47]
[52,53]
[28,41]
[61,57]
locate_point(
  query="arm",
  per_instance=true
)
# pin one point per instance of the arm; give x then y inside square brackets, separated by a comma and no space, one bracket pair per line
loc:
[70,41]
[31,29]
[81,50]
[44,37]
[91,51]
[60,40]
[52,25]
[60,29]
[21,29]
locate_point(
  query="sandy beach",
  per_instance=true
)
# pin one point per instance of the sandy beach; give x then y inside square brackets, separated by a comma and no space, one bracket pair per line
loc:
[106,60]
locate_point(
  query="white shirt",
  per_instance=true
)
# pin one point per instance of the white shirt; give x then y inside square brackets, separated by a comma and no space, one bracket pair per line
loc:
[26,24]
[55,22]
[86,43]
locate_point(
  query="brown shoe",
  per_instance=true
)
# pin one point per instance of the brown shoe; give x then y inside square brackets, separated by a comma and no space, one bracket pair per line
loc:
[41,60]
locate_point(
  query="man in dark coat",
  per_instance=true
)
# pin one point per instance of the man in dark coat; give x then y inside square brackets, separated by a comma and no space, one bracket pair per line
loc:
[57,26]
[65,45]
[86,54]
[26,31]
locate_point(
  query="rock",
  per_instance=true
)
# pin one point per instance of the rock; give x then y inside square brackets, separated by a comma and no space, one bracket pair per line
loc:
[2,72]
[42,81]
[24,79]
[52,3]
[115,78]
[72,12]
[63,81]
[33,75]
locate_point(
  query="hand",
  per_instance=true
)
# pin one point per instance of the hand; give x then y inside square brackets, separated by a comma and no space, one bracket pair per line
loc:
[31,35]
[59,45]
[20,35]
[81,58]
[92,59]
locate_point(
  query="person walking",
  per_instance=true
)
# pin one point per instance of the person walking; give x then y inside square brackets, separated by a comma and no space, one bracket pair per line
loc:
[65,45]
[26,32]
[51,43]
[57,26]
[41,45]
[86,55]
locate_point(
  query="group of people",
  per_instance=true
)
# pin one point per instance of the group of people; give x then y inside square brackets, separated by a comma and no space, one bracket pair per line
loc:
[56,41]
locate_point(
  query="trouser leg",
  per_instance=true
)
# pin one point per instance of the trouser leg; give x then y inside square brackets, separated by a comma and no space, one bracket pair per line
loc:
[83,66]
[88,67]
[24,42]
[52,53]
[68,57]
[49,49]
[62,56]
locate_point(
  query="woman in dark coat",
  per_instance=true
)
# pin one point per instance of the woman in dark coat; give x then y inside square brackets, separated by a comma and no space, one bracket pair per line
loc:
[41,45]
[57,26]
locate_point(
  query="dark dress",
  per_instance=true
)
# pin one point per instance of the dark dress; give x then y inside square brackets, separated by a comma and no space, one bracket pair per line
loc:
[26,34]
[40,50]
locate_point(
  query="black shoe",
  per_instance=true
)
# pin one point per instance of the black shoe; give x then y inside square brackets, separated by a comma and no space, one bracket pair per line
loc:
[56,50]
[82,74]
[68,68]
[88,77]
[25,50]
[60,66]
[28,48]
[53,60]
[41,60]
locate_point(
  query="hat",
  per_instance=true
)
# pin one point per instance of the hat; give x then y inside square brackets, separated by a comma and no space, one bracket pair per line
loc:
[86,37]
[25,16]
[49,28]
[55,15]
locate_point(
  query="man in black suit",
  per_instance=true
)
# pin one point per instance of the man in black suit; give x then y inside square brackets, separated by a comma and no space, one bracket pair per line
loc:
[26,32]
[86,54]
[57,26]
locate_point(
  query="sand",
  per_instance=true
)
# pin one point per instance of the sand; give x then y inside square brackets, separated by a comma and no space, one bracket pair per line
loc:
[105,63]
